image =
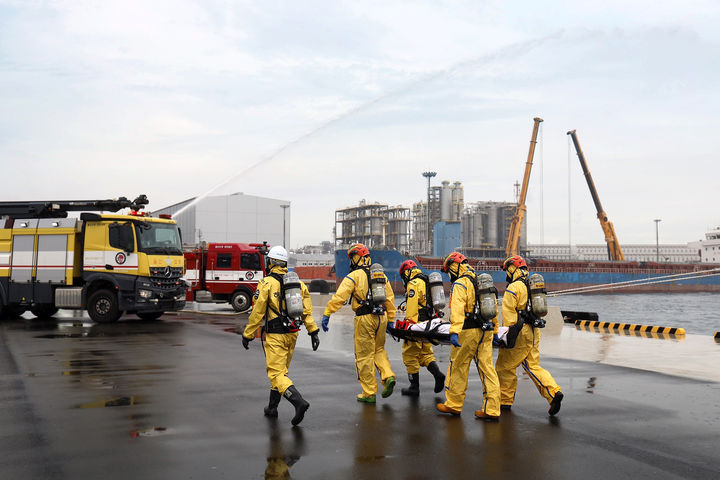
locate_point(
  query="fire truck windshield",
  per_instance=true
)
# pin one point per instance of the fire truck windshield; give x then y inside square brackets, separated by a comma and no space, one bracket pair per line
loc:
[158,238]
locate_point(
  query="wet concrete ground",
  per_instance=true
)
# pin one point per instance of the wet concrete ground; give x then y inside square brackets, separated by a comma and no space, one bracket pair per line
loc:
[180,398]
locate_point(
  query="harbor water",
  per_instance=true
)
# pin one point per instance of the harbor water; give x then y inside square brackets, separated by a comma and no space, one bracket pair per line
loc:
[697,313]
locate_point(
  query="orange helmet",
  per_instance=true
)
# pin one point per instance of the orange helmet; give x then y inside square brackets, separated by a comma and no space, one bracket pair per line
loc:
[454,257]
[407,265]
[516,260]
[358,249]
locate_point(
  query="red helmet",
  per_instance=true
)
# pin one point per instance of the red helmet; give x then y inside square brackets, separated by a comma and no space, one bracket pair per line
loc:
[516,260]
[454,257]
[358,249]
[407,265]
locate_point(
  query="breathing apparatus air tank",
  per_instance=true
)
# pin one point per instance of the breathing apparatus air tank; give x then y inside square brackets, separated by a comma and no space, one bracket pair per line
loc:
[377,287]
[293,296]
[538,295]
[437,293]
[537,301]
[488,296]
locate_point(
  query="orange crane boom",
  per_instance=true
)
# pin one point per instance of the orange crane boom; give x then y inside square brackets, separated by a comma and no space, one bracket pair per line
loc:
[613,245]
[514,236]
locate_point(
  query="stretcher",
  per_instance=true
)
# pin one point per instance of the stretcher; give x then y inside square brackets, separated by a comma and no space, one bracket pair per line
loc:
[436,331]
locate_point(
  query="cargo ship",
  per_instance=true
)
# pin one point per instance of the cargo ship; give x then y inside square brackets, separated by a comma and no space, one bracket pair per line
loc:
[560,276]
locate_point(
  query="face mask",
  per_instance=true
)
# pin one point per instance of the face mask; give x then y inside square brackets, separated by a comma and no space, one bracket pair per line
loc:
[453,272]
[508,275]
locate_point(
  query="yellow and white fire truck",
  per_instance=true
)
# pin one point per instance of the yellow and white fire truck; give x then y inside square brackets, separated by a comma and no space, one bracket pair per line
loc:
[105,263]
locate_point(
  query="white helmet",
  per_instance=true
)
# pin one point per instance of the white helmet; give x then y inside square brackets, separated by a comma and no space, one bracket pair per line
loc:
[278,253]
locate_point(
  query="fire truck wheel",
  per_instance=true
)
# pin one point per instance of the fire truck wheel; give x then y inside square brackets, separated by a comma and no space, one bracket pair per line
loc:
[43,311]
[103,306]
[240,301]
[149,315]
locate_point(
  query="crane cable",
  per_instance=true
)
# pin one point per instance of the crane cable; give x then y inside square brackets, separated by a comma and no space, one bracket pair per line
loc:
[643,281]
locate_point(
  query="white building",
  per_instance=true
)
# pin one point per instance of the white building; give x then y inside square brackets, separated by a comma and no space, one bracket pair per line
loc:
[667,253]
[710,247]
[311,259]
[233,218]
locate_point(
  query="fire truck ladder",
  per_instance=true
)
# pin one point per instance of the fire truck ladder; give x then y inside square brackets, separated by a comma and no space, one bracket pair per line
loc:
[60,209]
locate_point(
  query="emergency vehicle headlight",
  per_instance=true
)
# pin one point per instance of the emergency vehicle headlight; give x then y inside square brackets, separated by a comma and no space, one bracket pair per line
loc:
[145,293]
[179,297]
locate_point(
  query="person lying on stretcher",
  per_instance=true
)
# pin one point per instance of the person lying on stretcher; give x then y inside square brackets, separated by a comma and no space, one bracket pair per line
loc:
[438,331]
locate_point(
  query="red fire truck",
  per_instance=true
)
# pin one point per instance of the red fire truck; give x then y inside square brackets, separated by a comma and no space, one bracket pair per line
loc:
[225,272]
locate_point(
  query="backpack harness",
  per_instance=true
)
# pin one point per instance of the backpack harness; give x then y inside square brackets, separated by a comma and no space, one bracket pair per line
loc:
[282,323]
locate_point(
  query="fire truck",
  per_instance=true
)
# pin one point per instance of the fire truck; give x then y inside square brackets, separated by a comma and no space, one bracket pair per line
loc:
[105,263]
[225,272]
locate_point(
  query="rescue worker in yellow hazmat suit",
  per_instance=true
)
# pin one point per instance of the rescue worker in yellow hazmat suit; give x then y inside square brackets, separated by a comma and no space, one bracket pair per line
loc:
[371,323]
[418,308]
[282,332]
[525,353]
[470,342]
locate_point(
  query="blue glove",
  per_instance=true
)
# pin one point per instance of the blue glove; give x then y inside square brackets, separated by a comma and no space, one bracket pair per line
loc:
[389,326]
[325,322]
[454,339]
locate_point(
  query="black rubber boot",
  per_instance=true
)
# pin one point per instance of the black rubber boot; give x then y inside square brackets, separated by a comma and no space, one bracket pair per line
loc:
[414,389]
[439,377]
[555,404]
[271,409]
[301,406]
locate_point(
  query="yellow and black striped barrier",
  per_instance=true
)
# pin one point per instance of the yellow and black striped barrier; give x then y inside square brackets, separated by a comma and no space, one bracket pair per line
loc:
[631,327]
[629,333]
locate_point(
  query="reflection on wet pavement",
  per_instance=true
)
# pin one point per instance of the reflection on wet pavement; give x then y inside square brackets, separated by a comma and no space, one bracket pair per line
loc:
[112,402]
[207,398]
[283,453]
[151,432]
[591,385]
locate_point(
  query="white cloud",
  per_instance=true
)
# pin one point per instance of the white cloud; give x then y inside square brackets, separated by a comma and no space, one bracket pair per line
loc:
[192,93]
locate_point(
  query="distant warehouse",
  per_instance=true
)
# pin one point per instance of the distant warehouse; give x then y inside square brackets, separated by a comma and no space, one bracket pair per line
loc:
[236,218]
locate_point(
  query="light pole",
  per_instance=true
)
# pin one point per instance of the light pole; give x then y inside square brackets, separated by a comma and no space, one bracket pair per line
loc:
[284,207]
[657,241]
[428,175]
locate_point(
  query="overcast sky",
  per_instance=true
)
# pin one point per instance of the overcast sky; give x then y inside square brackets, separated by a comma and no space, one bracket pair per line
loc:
[172,98]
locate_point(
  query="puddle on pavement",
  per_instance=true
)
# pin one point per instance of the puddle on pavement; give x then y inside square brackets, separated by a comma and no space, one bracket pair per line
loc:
[113,402]
[591,385]
[220,322]
[118,370]
[151,432]
[79,329]
[62,335]
[375,458]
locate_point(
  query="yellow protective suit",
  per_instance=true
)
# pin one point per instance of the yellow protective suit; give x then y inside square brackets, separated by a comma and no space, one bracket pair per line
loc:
[476,345]
[279,347]
[526,351]
[416,354]
[369,330]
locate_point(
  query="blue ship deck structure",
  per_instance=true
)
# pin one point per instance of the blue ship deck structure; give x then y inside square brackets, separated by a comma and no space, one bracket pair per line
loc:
[558,275]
